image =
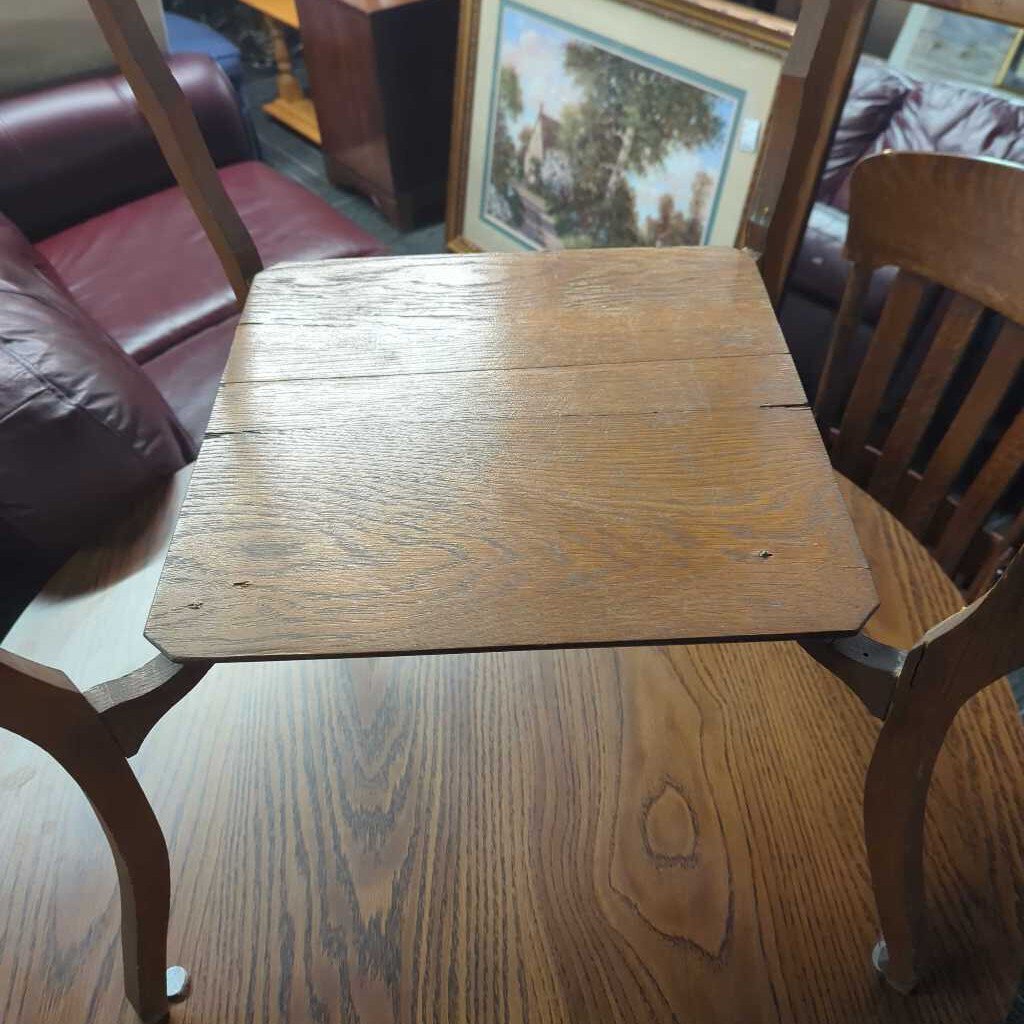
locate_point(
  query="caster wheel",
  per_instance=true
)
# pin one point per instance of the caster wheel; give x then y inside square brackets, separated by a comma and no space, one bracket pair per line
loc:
[880,960]
[177,983]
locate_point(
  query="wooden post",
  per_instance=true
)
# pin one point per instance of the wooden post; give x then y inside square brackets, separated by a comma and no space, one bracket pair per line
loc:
[169,114]
[808,102]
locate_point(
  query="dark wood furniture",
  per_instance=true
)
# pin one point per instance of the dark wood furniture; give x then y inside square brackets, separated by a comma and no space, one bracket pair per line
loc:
[894,202]
[381,73]
[632,836]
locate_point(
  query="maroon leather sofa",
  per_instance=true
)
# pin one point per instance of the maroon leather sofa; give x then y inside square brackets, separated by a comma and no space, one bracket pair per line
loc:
[96,243]
[886,109]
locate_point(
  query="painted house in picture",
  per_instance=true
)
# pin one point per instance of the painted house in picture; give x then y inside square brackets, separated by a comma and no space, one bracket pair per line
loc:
[592,144]
[545,169]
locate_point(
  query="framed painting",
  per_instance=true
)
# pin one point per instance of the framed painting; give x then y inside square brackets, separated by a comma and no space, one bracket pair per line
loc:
[1011,75]
[944,44]
[608,123]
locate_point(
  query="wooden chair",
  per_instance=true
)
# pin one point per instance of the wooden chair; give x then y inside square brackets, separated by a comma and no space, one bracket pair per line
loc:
[92,730]
[958,223]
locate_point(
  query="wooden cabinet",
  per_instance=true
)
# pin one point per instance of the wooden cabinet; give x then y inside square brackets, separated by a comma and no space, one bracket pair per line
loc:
[381,73]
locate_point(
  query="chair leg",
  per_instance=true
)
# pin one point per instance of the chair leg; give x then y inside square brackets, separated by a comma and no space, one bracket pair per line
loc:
[57,718]
[144,877]
[895,796]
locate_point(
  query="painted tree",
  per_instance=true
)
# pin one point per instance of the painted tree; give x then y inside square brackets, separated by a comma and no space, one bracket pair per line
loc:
[672,226]
[503,155]
[631,119]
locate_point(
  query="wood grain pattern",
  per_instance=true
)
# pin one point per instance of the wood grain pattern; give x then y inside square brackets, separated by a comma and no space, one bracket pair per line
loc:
[979,406]
[1000,470]
[958,325]
[381,74]
[952,662]
[43,707]
[560,493]
[887,345]
[973,248]
[478,535]
[344,318]
[625,836]
[548,392]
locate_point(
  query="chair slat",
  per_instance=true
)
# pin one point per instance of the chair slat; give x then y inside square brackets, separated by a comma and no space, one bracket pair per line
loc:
[947,349]
[1000,553]
[887,345]
[987,392]
[838,372]
[988,487]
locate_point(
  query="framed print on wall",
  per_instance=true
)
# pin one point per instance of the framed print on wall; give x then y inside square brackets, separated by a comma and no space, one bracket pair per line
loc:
[593,123]
[946,45]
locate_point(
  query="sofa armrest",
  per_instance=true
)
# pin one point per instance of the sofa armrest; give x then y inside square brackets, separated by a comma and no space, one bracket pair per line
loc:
[74,150]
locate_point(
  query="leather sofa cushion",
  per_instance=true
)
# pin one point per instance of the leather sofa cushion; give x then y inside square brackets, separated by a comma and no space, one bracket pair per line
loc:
[941,117]
[876,93]
[82,429]
[944,117]
[189,373]
[821,269]
[74,150]
[146,273]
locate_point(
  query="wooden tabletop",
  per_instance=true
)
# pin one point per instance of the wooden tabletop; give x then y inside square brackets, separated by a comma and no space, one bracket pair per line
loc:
[497,451]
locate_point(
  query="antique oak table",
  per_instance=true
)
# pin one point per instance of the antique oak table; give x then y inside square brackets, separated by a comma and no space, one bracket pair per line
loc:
[494,452]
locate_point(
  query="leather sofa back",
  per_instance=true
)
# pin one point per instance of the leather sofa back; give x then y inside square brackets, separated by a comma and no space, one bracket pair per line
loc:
[71,151]
[888,109]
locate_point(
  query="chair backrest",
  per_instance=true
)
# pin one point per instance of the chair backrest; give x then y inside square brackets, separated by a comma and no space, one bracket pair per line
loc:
[808,102]
[955,445]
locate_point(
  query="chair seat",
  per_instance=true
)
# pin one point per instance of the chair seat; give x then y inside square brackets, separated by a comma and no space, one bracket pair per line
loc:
[903,615]
[146,273]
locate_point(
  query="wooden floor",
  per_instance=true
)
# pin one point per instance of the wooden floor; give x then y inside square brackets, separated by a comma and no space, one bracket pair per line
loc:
[641,835]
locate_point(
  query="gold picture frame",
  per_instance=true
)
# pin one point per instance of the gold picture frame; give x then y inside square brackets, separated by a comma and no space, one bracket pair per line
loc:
[759,45]
[1011,74]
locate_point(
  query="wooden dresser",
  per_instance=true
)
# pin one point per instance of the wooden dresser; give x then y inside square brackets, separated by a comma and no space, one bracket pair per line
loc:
[381,73]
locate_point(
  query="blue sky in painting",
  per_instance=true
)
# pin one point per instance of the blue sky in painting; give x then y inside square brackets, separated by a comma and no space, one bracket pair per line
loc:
[535,47]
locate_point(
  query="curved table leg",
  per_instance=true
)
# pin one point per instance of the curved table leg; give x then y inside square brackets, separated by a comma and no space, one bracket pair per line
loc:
[47,710]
